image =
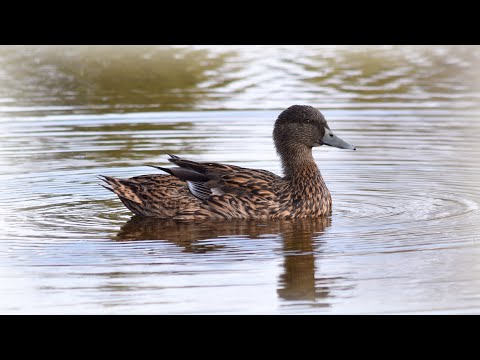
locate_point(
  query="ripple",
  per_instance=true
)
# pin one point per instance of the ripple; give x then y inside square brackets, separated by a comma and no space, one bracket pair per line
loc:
[232,77]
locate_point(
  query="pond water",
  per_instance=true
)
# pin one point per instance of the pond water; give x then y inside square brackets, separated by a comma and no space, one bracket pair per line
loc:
[404,236]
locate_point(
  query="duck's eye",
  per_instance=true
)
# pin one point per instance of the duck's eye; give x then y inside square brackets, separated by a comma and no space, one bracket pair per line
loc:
[331,135]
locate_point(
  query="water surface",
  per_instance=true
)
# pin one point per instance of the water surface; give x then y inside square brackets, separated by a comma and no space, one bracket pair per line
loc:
[405,229]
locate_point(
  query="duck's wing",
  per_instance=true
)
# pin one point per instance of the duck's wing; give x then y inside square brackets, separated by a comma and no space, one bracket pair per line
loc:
[205,180]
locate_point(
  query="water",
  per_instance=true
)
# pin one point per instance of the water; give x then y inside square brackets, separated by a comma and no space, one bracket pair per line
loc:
[404,236]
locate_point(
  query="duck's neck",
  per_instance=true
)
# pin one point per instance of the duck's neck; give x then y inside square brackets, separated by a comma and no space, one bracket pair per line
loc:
[309,194]
[299,165]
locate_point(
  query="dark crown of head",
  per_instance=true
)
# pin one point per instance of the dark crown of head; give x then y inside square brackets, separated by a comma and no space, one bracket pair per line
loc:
[301,113]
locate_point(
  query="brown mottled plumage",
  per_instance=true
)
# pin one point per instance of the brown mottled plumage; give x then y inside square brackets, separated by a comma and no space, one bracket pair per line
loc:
[195,190]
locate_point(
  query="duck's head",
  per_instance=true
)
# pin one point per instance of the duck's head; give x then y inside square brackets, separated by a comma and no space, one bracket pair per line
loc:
[303,126]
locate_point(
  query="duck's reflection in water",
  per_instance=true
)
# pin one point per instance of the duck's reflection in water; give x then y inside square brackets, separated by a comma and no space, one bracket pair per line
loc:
[301,243]
[181,233]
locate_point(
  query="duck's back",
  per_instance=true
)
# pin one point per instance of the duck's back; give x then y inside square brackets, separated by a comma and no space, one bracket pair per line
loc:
[195,190]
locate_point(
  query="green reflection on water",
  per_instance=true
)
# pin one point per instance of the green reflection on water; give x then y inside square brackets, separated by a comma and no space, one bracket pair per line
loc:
[387,71]
[124,78]
[106,79]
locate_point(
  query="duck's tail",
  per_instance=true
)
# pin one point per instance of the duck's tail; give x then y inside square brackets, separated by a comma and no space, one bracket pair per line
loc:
[126,191]
[122,187]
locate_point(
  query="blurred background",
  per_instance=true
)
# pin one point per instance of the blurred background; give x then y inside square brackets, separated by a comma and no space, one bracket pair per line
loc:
[86,79]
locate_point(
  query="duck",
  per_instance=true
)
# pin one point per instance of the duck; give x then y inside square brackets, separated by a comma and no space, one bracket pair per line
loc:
[194,190]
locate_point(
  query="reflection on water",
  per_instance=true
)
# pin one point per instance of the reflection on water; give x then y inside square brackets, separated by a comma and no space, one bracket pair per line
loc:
[116,79]
[403,236]
[300,238]
[298,281]
[104,79]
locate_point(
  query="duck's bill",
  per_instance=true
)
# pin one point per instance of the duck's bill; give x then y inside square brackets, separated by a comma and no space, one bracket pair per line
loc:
[332,140]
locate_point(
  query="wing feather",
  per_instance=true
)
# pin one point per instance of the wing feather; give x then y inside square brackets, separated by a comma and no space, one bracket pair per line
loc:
[207,179]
